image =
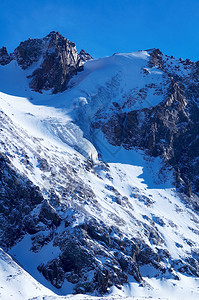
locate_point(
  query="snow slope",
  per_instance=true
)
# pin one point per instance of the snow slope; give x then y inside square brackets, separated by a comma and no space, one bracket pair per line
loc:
[15,283]
[18,284]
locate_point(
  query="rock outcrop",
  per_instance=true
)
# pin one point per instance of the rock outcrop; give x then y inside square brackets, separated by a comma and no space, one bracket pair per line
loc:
[28,52]
[54,60]
[84,56]
[5,58]
[169,129]
[60,62]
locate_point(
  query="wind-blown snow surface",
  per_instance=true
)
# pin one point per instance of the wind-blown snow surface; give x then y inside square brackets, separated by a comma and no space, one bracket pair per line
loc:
[15,283]
[55,126]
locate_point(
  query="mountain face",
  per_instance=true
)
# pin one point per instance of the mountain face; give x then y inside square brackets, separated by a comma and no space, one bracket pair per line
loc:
[99,182]
[56,61]
[169,129]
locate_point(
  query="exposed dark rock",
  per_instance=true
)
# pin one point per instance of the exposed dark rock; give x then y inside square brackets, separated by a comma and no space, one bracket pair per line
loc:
[56,57]
[169,129]
[60,62]
[47,213]
[53,273]
[114,128]
[84,56]
[156,57]
[5,58]
[18,197]
[28,52]
[81,257]
[39,240]
[43,165]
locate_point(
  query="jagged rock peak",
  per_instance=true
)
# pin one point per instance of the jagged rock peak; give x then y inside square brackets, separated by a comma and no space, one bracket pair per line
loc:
[31,50]
[156,57]
[154,51]
[55,39]
[60,62]
[84,55]
[54,34]
[28,52]
[5,58]
[56,58]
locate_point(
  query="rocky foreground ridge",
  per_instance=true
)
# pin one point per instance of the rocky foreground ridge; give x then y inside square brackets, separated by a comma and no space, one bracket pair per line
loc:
[100,222]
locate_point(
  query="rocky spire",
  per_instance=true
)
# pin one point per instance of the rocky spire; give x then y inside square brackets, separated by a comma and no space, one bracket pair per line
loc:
[28,52]
[60,62]
[56,57]
[84,56]
[5,58]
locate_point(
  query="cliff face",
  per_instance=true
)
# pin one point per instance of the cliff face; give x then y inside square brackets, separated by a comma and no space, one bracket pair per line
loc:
[170,129]
[55,60]
[5,58]
[60,62]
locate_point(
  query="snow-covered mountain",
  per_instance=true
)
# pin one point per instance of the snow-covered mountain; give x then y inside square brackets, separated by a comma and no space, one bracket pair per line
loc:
[98,173]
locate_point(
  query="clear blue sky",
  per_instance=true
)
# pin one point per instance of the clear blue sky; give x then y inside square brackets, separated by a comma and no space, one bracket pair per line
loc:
[103,27]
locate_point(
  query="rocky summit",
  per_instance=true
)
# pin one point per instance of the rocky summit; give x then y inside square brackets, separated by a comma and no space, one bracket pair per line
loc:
[99,173]
[55,60]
